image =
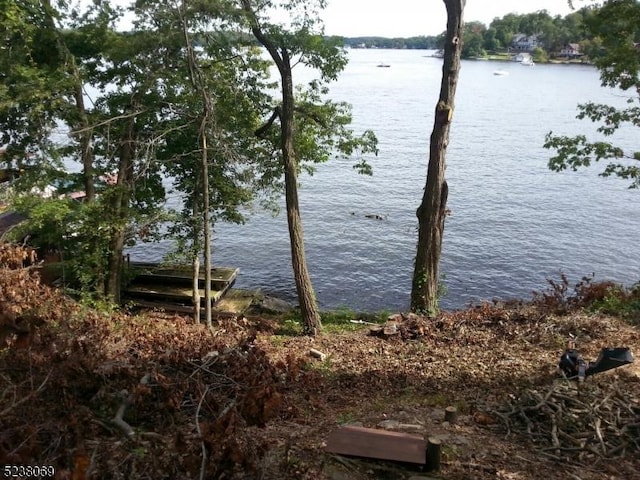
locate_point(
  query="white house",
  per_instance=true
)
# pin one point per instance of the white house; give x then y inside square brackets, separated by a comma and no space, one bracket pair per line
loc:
[571,50]
[524,43]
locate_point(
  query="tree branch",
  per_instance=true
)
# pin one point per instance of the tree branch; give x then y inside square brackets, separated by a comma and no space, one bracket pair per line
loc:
[203,465]
[118,421]
[310,115]
[261,37]
[28,397]
[260,133]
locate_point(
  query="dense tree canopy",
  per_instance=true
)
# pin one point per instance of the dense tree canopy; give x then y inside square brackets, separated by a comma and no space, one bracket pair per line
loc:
[183,100]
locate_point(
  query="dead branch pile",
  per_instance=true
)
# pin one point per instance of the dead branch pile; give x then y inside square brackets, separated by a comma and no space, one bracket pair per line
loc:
[25,303]
[407,326]
[99,395]
[171,391]
[585,425]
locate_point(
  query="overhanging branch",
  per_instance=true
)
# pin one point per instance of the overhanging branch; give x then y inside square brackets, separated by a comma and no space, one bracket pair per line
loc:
[260,133]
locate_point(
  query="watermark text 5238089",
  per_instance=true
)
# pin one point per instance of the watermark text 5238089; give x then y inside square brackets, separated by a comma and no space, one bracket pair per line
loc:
[28,471]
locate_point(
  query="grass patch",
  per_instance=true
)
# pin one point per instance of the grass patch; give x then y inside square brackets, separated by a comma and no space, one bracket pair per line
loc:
[333,321]
[347,320]
[620,302]
[291,326]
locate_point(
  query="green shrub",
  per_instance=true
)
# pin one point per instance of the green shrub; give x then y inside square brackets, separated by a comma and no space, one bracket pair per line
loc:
[621,302]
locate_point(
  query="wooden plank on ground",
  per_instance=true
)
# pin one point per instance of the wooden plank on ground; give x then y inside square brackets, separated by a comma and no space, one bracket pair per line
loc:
[378,444]
[168,307]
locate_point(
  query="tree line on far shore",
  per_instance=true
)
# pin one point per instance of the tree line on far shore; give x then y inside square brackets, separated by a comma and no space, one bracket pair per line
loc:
[552,33]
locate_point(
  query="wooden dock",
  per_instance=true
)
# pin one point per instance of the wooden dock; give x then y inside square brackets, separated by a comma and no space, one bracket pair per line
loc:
[170,287]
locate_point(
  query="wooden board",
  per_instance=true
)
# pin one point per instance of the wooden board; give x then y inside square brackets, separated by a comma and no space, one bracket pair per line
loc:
[235,302]
[378,444]
[168,292]
[145,272]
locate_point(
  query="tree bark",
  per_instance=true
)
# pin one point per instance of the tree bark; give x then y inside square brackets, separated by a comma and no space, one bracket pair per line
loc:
[85,140]
[205,214]
[195,298]
[120,207]
[304,288]
[199,85]
[433,209]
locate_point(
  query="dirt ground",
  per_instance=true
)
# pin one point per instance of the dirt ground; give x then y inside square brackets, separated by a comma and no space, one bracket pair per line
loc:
[481,362]
[151,395]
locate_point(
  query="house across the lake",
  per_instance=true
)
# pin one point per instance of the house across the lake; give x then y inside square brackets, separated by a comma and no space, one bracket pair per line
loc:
[524,43]
[571,50]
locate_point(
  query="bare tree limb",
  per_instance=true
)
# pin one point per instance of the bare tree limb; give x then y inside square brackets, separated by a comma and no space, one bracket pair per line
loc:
[203,465]
[28,397]
[118,421]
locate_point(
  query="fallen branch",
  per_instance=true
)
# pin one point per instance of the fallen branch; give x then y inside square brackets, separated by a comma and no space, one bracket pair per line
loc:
[28,397]
[118,421]
[317,354]
[127,400]
[587,425]
[203,465]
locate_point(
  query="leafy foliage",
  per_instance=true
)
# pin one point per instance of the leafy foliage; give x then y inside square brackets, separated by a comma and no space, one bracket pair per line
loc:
[605,297]
[560,299]
[617,27]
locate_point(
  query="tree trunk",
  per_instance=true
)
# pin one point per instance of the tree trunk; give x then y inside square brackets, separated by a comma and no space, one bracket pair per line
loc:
[199,85]
[432,211]
[304,287]
[196,264]
[85,141]
[205,213]
[120,207]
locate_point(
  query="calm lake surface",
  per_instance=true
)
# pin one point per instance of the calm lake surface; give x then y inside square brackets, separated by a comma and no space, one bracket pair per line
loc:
[513,223]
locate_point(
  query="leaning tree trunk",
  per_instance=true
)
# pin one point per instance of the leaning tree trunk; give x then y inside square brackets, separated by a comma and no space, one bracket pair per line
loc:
[304,287]
[432,211]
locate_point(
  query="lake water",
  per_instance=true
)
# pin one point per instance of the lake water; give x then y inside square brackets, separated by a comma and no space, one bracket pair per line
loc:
[513,223]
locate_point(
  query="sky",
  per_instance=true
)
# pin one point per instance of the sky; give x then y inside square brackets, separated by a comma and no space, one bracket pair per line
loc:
[409,18]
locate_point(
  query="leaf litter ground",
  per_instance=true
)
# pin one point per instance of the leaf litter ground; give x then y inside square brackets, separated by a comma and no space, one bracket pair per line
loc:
[154,396]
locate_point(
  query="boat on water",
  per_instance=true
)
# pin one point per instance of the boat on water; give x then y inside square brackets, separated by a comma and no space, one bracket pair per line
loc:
[501,73]
[383,65]
[527,62]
